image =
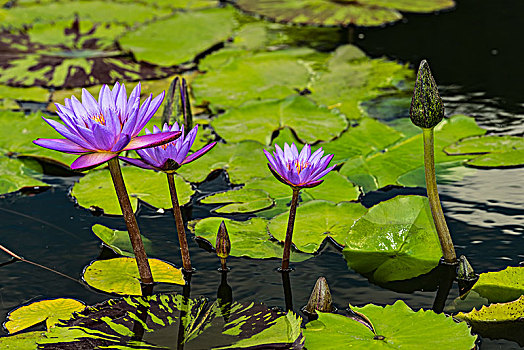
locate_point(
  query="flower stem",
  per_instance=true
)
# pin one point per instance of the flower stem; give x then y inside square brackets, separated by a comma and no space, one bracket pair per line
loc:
[289,232]
[132,226]
[448,251]
[184,250]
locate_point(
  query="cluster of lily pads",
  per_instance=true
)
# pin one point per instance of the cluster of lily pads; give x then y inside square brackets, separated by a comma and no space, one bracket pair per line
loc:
[251,86]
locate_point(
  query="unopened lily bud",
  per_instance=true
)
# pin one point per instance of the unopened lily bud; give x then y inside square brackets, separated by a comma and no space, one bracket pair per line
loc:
[223,244]
[426,109]
[320,298]
[465,271]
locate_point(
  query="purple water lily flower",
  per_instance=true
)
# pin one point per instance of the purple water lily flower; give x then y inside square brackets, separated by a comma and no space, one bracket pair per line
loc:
[299,170]
[98,131]
[170,156]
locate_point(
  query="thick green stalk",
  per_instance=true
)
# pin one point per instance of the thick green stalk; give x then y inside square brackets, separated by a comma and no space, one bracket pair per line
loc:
[184,250]
[289,232]
[144,270]
[448,251]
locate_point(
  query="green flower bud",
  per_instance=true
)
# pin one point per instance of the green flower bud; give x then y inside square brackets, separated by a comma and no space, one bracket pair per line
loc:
[426,109]
[320,298]
[223,244]
[465,271]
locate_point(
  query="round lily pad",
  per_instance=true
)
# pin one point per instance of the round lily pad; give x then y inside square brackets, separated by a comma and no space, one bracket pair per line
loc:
[240,201]
[493,151]
[155,42]
[248,238]
[257,120]
[395,239]
[51,311]
[15,174]
[394,326]
[501,286]
[120,275]
[96,189]
[317,220]
[118,241]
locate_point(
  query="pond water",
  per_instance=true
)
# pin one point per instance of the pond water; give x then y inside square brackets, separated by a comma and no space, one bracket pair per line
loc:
[475,57]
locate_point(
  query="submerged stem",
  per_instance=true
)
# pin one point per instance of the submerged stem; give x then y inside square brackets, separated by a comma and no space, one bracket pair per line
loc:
[448,251]
[289,232]
[184,250]
[144,270]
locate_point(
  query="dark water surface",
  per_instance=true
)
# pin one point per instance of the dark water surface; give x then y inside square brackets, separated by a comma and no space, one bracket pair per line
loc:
[474,52]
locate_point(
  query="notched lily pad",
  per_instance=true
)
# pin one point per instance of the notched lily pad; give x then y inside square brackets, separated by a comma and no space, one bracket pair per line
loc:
[155,42]
[15,174]
[501,286]
[502,312]
[118,241]
[317,220]
[248,238]
[120,275]
[395,327]
[394,240]
[492,151]
[51,311]
[96,190]
[257,120]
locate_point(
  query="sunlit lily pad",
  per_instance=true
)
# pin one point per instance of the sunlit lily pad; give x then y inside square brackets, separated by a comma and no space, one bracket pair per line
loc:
[257,120]
[493,151]
[194,323]
[182,4]
[241,201]
[15,174]
[36,94]
[248,238]
[243,161]
[50,310]
[395,239]
[29,128]
[502,312]
[317,220]
[381,169]
[501,286]
[352,78]
[120,275]
[96,189]
[155,42]
[118,241]
[126,13]
[395,326]
[69,54]
[21,341]
[235,76]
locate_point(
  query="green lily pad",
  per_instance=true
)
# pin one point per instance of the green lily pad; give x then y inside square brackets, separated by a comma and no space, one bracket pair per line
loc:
[114,12]
[21,341]
[120,275]
[446,172]
[235,76]
[502,312]
[155,42]
[495,151]
[70,54]
[317,220]
[51,311]
[182,4]
[15,174]
[257,120]
[395,239]
[501,286]
[118,241]
[381,169]
[36,94]
[352,78]
[248,238]
[30,127]
[465,303]
[395,326]
[96,190]
[243,162]
[369,136]
[238,201]
[224,324]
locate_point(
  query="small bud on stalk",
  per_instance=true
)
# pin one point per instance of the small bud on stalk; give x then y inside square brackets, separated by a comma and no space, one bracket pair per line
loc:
[320,298]
[426,109]
[466,276]
[223,245]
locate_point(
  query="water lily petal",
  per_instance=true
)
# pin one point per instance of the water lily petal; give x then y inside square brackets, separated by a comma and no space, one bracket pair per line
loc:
[89,103]
[121,143]
[68,134]
[137,162]
[278,176]
[321,174]
[104,138]
[91,160]
[151,140]
[311,184]
[62,145]
[198,153]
